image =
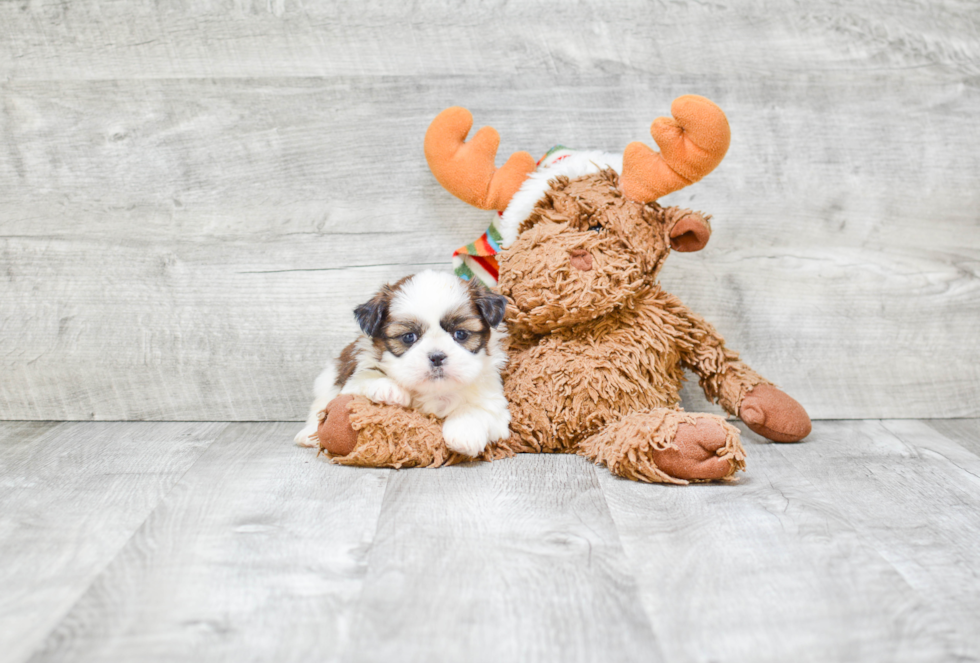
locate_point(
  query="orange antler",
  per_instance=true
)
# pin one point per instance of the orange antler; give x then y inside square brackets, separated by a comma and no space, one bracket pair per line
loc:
[692,144]
[467,170]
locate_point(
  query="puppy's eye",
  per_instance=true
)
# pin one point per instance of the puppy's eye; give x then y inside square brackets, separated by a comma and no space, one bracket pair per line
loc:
[596,227]
[461,335]
[409,338]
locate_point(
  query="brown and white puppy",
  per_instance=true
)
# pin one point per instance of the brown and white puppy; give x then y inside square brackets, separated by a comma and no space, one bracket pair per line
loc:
[431,342]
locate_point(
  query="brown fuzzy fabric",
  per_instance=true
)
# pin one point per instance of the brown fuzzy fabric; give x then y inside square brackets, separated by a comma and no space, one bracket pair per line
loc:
[597,355]
[629,447]
[588,347]
[392,436]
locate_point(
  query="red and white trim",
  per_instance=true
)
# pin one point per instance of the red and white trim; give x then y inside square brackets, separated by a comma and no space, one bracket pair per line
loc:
[562,161]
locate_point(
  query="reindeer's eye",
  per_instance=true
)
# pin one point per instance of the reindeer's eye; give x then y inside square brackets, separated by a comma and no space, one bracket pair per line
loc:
[409,338]
[597,227]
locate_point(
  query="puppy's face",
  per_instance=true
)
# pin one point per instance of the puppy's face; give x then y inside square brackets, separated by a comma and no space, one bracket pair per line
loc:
[430,331]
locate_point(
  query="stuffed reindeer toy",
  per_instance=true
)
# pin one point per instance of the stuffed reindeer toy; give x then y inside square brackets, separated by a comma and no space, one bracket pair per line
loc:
[596,348]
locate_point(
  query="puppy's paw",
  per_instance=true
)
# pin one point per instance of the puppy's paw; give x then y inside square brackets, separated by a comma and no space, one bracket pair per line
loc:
[307,437]
[466,435]
[498,428]
[387,392]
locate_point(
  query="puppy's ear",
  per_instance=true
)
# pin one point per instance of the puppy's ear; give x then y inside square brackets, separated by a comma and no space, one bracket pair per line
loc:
[490,305]
[372,314]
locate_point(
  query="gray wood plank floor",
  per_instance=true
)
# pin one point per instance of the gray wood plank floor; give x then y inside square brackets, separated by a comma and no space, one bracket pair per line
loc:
[223,542]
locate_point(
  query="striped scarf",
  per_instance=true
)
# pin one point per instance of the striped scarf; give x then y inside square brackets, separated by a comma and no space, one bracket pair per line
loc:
[479,259]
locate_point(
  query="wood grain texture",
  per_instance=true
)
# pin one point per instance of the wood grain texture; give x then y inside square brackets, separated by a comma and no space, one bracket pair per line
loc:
[194,195]
[516,560]
[965,432]
[257,554]
[914,495]
[42,39]
[16,436]
[859,545]
[72,496]
[771,569]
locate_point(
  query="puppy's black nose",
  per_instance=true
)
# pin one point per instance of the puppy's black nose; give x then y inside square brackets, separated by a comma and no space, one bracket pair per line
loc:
[436,358]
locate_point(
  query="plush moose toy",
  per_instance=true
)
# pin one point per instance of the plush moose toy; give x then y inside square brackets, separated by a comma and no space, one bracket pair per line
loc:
[596,348]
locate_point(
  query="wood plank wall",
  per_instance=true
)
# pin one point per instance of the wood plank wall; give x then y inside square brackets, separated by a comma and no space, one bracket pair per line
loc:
[193,195]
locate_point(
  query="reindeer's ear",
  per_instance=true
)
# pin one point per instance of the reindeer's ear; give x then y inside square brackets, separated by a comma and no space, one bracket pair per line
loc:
[490,305]
[690,233]
[372,314]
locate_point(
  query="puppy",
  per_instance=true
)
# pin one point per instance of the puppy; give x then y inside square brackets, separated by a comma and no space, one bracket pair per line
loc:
[432,342]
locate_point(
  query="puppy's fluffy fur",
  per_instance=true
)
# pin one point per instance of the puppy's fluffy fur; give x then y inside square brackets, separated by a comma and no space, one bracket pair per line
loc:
[431,342]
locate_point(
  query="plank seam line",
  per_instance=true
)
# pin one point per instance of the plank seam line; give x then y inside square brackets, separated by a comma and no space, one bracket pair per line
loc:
[952,462]
[336,269]
[101,571]
[356,604]
[626,557]
[866,538]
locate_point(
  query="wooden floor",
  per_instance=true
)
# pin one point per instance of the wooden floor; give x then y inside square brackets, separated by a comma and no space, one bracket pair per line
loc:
[217,541]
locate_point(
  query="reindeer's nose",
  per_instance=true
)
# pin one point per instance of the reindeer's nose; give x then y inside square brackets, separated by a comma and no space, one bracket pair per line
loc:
[581,259]
[436,358]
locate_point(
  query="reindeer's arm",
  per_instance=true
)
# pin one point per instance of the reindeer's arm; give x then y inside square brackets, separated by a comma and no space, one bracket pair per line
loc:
[730,382]
[724,378]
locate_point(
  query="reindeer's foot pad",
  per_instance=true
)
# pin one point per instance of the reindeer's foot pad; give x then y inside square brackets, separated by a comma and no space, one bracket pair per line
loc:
[668,446]
[700,452]
[773,414]
[335,432]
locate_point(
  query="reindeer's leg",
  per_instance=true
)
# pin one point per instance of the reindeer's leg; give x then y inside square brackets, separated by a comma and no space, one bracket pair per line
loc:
[731,383]
[355,431]
[667,446]
[764,408]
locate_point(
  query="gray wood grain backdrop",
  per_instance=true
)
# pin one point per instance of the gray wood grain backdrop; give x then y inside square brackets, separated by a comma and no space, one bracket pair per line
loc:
[193,195]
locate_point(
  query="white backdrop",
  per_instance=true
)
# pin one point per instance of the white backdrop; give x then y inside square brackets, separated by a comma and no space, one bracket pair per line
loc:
[193,196]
